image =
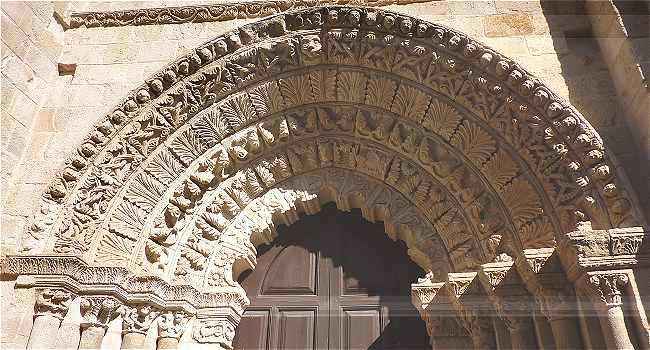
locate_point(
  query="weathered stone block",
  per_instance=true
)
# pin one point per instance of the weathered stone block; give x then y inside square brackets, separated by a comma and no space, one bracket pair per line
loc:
[508,46]
[508,25]
[545,44]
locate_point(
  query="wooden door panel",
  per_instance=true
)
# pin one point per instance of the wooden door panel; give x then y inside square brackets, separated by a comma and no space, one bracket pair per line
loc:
[360,328]
[297,329]
[292,272]
[332,281]
[257,324]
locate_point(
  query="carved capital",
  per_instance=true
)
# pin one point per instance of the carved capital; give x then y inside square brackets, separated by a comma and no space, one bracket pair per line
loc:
[52,302]
[214,331]
[604,288]
[173,324]
[423,292]
[138,318]
[216,326]
[98,311]
[589,250]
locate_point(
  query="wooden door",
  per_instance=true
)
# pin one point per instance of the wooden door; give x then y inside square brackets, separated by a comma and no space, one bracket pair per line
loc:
[331,281]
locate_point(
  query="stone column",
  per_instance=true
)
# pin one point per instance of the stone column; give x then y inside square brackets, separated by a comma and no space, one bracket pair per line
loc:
[544,278]
[97,312]
[136,321]
[604,290]
[522,330]
[171,326]
[512,302]
[563,320]
[50,309]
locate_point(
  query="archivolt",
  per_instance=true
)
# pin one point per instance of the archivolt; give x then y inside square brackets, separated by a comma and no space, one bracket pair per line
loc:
[463,153]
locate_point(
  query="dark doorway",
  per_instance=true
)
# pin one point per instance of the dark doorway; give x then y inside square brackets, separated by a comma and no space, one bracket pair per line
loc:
[332,281]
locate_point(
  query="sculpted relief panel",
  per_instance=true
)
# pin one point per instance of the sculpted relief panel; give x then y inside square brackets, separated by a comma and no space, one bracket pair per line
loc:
[460,152]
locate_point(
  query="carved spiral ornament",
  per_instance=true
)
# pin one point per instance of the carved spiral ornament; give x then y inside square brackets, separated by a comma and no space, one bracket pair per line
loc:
[458,150]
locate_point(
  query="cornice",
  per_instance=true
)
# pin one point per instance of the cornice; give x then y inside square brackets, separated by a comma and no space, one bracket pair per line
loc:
[73,274]
[219,12]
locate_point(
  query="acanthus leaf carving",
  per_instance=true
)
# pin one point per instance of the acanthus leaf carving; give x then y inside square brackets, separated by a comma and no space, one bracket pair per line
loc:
[475,143]
[604,288]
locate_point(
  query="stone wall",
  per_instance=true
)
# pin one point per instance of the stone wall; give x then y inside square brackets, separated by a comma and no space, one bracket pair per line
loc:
[553,42]
[32,41]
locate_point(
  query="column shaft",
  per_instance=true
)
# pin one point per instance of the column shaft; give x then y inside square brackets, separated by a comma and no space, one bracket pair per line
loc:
[91,337]
[522,334]
[44,330]
[612,321]
[167,343]
[565,333]
[133,340]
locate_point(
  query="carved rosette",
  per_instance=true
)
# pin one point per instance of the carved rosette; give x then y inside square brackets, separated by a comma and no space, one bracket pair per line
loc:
[98,311]
[138,318]
[604,288]
[172,324]
[52,302]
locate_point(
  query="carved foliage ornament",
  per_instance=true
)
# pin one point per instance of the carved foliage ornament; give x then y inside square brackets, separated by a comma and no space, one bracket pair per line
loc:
[208,13]
[606,288]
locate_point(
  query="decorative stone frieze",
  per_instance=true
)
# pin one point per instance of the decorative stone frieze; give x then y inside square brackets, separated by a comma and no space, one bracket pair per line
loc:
[590,250]
[208,13]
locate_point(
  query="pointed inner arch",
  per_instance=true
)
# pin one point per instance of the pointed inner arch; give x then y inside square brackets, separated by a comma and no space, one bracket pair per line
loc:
[457,149]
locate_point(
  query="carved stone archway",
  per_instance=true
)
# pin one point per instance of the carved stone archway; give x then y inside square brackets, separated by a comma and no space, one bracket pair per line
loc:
[457,149]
